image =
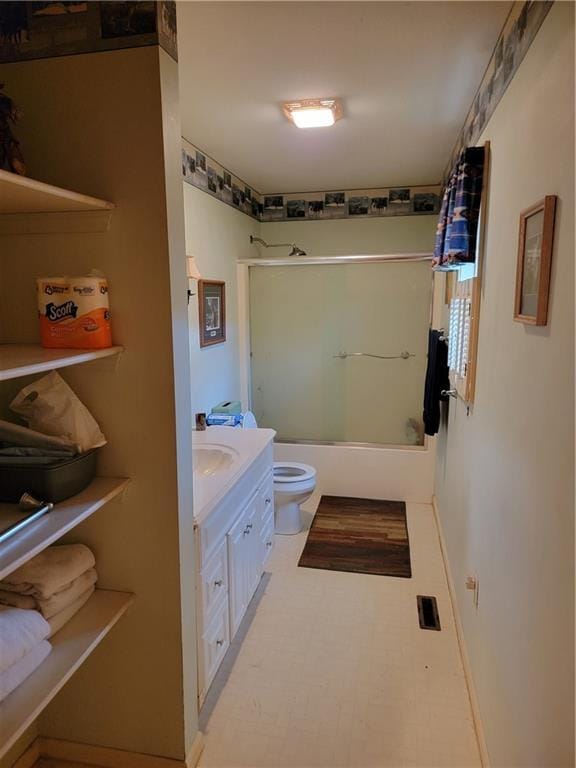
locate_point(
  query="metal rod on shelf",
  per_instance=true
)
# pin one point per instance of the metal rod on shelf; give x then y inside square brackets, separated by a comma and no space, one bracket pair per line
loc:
[402,356]
[35,509]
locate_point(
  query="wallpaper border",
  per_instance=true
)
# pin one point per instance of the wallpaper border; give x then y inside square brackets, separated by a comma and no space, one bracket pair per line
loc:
[40,30]
[208,175]
[518,33]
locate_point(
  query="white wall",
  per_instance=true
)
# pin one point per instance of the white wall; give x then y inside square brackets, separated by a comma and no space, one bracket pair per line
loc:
[344,237]
[505,473]
[217,235]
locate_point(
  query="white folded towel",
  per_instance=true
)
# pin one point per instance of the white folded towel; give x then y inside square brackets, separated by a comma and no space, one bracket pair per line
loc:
[57,602]
[12,677]
[50,571]
[61,618]
[20,632]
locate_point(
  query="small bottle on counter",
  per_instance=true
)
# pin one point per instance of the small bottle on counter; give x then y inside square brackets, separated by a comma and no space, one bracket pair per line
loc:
[200,422]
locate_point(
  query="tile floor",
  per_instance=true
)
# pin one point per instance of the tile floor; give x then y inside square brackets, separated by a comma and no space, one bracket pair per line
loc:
[331,669]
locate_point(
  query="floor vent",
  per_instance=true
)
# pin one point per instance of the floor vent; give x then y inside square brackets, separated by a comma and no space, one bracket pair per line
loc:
[428,612]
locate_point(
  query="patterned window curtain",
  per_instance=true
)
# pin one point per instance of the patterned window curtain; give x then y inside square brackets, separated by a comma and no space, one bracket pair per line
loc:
[458,222]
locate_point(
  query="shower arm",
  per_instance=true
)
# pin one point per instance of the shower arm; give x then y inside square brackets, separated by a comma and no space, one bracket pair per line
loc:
[296,251]
[270,245]
[402,356]
[254,239]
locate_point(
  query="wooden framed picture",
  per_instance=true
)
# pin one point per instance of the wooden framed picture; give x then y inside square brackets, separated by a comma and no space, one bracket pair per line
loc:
[534,264]
[212,308]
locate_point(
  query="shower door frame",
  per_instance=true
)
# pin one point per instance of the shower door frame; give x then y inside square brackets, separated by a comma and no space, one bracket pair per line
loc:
[243,269]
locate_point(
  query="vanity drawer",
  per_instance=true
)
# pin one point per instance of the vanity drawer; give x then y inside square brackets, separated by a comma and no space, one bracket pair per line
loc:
[214,581]
[215,643]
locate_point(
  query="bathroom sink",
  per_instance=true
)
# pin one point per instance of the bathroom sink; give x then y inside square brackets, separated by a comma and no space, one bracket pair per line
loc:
[211,459]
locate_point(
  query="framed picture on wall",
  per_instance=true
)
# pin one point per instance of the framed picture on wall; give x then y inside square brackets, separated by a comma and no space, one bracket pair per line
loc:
[534,264]
[212,307]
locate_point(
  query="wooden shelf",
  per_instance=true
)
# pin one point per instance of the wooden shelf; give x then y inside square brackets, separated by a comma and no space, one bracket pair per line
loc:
[24,359]
[70,647]
[17,550]
[19,194]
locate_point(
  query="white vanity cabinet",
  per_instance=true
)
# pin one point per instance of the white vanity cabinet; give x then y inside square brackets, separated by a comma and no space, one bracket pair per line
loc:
[245,564]
[233,542]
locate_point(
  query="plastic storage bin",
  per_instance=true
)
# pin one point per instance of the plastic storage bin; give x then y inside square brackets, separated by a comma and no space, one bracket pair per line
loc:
[53,482]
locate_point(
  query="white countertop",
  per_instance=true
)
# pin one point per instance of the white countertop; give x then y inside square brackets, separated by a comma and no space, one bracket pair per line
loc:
[248,443]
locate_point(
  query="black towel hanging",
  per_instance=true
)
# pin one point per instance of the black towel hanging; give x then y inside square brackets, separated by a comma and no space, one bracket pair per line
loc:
[437,380]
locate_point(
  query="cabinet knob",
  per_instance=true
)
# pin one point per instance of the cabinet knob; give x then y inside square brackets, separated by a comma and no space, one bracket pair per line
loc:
[218,583]
[249,526]
[268,543]
[219,642]
[246,531]
[268,501]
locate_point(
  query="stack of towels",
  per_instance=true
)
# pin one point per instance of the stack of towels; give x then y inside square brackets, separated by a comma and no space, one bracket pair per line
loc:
[57,582]
[36,601]
[23,646]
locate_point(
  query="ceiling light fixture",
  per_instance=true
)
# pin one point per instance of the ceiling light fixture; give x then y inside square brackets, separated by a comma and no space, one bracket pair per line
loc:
[313,113]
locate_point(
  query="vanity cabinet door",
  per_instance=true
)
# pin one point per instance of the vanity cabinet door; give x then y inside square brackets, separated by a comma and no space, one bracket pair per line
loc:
[237,577]
[252,544]
[244,561]
[215,643]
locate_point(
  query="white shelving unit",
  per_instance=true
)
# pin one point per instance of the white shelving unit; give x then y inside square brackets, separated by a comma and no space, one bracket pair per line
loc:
[29,206]
[31,540]
[70,647]
[18,360]
[19,194]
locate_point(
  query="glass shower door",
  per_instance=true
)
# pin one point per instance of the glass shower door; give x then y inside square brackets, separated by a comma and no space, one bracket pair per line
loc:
[306,324]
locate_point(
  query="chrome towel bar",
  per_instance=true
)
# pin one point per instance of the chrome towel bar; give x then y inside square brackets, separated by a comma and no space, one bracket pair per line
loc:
[402,356]
[449,393]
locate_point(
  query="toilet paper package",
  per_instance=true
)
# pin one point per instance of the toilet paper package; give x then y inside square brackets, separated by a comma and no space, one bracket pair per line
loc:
[74,312]
[243,420]
[224,419]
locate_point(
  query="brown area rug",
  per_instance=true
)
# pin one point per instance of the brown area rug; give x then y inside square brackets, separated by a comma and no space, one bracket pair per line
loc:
[359,535]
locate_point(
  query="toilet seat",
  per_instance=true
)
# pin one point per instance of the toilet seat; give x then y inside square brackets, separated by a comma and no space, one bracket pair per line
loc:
[292,472]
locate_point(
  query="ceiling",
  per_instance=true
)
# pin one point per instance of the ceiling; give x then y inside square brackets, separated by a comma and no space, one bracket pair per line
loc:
[406,72]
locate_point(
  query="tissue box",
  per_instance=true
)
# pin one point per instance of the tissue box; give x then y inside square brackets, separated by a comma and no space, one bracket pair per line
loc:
[228,406]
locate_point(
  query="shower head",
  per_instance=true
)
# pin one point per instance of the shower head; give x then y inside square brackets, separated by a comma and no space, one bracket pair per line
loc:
[295,251]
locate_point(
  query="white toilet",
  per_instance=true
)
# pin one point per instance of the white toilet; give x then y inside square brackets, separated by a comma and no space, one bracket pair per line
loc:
[293,485]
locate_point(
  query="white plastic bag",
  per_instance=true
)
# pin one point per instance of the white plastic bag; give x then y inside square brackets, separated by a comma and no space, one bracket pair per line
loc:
[51,407]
